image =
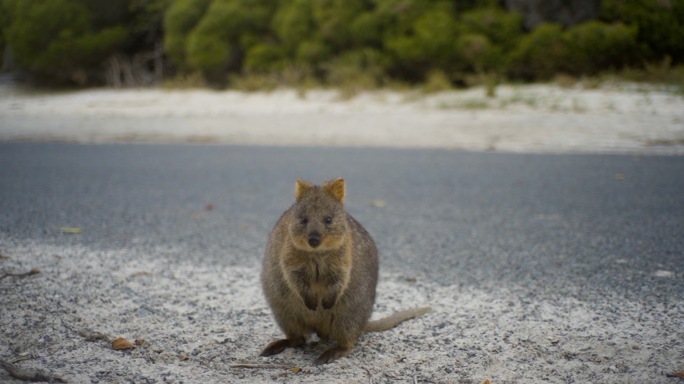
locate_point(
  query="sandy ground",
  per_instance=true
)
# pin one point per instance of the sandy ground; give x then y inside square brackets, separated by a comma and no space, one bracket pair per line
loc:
[624,118]
[192,324]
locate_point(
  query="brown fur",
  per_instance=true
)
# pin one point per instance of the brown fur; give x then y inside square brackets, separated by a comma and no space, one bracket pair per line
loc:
[320,272]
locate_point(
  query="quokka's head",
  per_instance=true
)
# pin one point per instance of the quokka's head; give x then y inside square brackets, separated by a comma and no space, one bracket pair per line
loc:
[319,222]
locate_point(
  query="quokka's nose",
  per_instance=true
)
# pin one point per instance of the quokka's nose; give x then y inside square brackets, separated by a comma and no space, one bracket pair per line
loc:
[314,240]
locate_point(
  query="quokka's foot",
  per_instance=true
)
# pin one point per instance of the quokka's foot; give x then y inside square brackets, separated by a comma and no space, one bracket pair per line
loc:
[332,354]
[278,346]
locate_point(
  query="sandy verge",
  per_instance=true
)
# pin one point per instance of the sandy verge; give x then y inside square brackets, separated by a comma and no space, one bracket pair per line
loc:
[194,324]
[623,118]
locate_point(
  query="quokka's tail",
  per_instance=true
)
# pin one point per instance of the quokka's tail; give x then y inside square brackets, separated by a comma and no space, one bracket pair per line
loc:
[395,319]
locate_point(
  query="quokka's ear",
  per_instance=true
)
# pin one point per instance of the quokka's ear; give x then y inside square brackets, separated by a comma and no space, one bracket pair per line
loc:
[301,186]
[336,188]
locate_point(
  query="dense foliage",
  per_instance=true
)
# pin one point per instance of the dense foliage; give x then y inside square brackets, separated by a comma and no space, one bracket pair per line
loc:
[371,42]
[71,41]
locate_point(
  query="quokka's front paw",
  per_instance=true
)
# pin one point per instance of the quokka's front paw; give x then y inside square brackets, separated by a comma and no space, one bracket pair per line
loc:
[311,302]
[329,300]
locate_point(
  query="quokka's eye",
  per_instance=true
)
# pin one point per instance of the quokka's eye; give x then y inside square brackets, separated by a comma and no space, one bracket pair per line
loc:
[304,220]
[328,220]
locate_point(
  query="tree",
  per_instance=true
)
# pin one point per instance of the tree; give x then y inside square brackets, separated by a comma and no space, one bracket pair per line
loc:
[219,33]
[179,20]
[56,39]
[419,36]
[660,24]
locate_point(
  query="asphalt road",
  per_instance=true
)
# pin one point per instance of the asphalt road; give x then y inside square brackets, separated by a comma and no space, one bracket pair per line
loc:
[570,225]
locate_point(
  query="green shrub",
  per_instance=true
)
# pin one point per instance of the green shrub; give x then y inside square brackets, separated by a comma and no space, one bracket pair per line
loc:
[362,69]
[35,26]
[86,51]
[362,42]
[540,54]
[146,18]
[263,58]
[106,13]
[210,47]
[293,24]
[233,19]
[596,46]
[312,52]
[218,43]
[488,37]
[429,42]
[312,31]
[503,29]
[333,18]
[4,21]
[657,73]
[479,53]
[55,39]
[185,81]
[208,53]
[181,17]
[254,82]
[660,24]
[366,30]
[436,81]
[581,50]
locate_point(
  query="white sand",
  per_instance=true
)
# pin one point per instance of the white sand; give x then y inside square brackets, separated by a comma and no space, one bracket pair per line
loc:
[542,118]
[196,322]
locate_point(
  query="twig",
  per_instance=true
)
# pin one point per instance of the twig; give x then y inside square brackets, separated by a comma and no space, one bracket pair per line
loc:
[21,358]
[28,374]
[370,375]
[33,271]
[260,366]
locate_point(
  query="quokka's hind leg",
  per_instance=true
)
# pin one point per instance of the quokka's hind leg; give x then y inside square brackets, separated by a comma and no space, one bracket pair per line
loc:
[333,354]
[345,342]
[278,346]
